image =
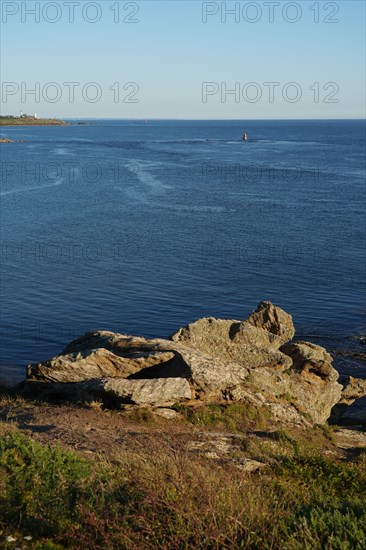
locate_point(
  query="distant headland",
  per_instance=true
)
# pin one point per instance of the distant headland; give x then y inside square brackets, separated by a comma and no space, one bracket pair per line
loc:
[30,120]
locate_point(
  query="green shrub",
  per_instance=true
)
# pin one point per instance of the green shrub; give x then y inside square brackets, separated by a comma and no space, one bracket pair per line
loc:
[40,484]
[158,497]
[342,528]
[50,492]
[330,478]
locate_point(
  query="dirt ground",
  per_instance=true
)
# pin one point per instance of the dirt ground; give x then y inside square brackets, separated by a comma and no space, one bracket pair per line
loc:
[106,434]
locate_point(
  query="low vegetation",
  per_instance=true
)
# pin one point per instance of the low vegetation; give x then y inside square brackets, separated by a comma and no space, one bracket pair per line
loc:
[26,120]
[53,498]
[235,417]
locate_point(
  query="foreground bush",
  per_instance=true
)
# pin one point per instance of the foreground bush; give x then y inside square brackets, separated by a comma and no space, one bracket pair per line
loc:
[171,500]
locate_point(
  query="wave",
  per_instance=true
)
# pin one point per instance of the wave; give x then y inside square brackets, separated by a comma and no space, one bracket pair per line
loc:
[82,139]
[62,152]
[141,170]
[191,207]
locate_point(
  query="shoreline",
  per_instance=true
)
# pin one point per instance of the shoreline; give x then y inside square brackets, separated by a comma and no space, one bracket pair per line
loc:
[32,122]
[209,361]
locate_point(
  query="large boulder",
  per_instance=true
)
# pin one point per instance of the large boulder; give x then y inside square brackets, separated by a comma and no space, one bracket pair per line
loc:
[273,319]
[95,363]
[313,381]
[353,389]
[310,383]
[114,392]
[311,361]
[128,357]
[157,391]
[207,334]
[237,341]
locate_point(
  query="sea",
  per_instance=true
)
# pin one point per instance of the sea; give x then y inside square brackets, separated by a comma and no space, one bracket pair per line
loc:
[141,227]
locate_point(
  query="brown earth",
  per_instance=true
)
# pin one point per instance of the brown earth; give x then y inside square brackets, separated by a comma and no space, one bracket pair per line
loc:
[108,433]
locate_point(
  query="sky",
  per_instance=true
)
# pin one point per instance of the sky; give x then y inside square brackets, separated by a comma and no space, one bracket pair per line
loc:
[183,59]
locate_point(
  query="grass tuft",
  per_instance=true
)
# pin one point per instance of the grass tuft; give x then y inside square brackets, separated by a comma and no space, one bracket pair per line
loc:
[236,417]
[159,497]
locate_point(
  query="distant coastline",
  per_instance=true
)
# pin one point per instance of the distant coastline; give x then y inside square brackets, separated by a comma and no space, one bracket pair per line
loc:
[31,121]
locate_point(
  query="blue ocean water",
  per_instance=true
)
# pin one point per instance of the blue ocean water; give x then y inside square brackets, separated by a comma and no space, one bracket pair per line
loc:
[143,226]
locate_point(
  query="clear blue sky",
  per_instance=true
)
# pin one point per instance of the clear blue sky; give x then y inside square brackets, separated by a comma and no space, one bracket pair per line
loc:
[170,52]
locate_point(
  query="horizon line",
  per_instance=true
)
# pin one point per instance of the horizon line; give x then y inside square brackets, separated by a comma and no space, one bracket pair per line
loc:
[205,119]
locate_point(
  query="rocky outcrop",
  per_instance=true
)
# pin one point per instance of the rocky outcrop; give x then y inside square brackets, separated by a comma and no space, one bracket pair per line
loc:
[223,447]
[237,341]
[95,363]
[128,357]
[273,319]
[210,360]
[309,384]
[312,381]
[353,388]
[115,392]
